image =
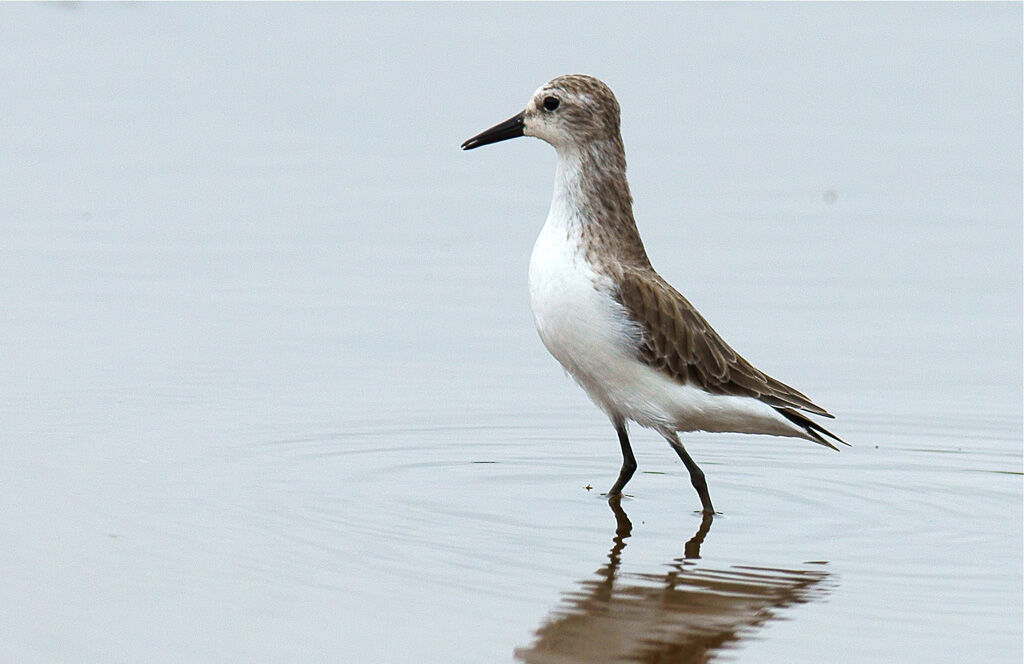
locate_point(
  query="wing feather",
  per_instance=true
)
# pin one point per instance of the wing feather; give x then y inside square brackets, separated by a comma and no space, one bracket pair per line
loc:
[678,341]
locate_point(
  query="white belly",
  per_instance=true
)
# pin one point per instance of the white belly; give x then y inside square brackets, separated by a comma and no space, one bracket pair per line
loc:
[580,322]
[589,333]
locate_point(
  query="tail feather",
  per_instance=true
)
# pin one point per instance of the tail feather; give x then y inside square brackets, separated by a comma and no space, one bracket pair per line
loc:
[812,428]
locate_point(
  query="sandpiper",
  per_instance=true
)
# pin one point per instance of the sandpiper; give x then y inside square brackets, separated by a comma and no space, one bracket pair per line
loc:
[639,349]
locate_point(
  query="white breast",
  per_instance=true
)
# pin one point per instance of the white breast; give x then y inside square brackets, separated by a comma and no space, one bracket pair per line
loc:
[579,321]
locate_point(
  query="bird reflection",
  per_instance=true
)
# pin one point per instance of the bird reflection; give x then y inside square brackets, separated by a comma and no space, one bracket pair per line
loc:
[684,615]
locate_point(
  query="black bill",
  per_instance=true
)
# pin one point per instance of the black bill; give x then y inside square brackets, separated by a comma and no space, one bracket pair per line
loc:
[511,128]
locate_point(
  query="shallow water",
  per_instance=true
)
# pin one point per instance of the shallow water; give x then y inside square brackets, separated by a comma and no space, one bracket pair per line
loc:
[272,390]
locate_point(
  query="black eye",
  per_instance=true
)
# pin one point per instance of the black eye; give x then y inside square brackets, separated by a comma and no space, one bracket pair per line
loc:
[550,103]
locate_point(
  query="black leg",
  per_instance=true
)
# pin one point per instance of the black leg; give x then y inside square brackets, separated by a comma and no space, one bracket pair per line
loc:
[696,474]
[628,461]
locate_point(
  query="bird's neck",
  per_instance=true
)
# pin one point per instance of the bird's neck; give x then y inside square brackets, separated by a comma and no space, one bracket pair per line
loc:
[592,200]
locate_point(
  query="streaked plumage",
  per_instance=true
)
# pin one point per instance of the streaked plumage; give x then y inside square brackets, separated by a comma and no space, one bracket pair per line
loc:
[641,351]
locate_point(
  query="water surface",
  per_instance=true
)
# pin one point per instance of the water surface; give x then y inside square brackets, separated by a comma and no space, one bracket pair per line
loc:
[271,389]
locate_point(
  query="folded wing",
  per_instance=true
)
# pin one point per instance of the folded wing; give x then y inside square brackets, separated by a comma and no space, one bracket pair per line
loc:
[679,342]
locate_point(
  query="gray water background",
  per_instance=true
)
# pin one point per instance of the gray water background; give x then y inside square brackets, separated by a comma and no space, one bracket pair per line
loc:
[271,391]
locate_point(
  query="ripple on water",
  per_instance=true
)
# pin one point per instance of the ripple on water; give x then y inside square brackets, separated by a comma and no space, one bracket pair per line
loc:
[499,510]
[430,504]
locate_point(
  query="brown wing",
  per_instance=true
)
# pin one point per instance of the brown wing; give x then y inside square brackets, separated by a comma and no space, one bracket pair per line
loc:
[678,341]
